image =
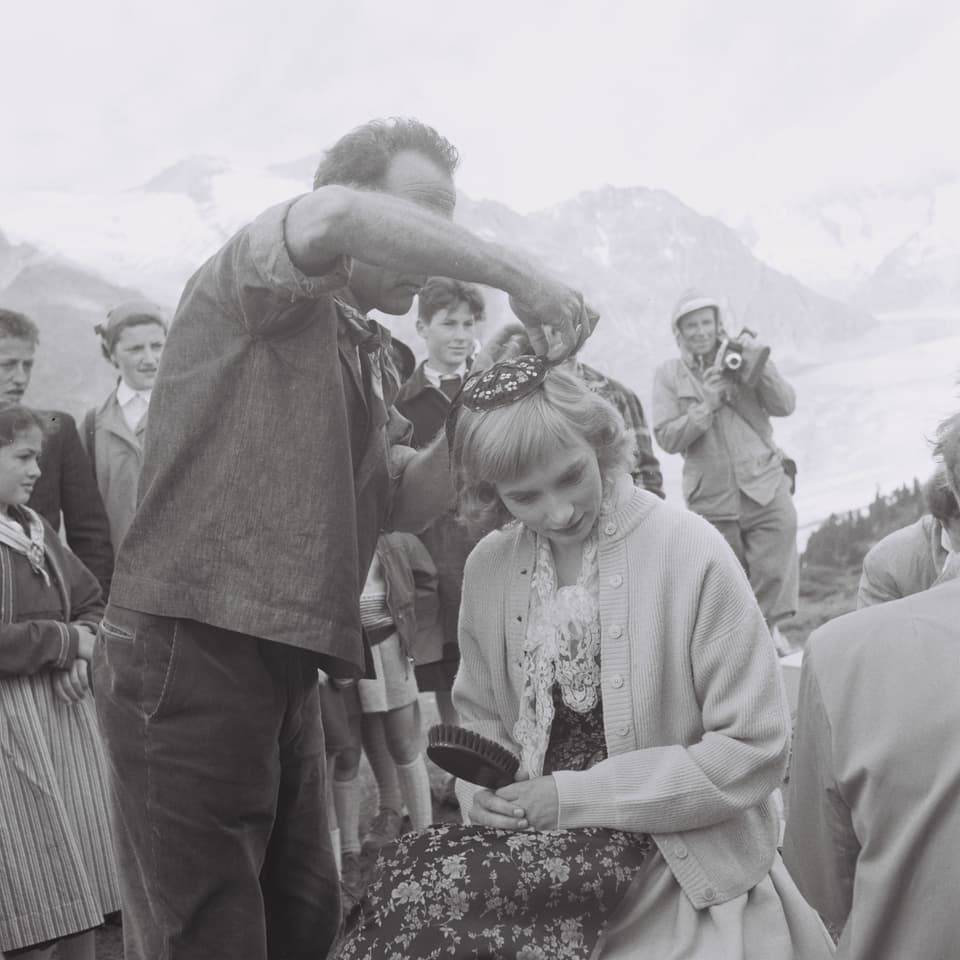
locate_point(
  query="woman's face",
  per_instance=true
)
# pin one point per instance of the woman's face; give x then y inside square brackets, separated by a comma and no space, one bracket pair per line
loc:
[136,354]
[560,498]
[18,468]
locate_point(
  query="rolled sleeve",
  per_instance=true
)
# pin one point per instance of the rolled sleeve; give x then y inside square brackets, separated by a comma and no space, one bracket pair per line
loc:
[271,259]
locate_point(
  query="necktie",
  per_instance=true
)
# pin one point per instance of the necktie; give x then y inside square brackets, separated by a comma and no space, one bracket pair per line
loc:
[450,385]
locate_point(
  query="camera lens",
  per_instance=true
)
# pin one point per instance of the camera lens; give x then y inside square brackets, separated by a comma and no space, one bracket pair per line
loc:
[733,361]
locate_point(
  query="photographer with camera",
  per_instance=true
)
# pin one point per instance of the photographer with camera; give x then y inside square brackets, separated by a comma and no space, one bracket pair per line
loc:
[713,405]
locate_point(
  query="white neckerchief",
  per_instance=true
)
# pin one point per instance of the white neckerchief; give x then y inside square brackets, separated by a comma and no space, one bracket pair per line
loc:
[31,546]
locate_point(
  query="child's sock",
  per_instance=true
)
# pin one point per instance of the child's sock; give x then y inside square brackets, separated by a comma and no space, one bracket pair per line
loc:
[346,800]
[415,787]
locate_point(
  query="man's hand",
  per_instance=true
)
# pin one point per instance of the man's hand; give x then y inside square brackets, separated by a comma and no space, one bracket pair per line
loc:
[537,798]
[88,640]
[716,388]
[71,685]
[508,342]
[553,307]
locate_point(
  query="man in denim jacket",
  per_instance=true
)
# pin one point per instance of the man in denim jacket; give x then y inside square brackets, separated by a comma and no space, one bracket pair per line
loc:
[272,462]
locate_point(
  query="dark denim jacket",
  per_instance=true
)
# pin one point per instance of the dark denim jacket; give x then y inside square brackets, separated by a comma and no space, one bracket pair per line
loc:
[267,466]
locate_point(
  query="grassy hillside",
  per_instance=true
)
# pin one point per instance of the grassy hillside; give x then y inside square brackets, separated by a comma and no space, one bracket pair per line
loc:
[830,566]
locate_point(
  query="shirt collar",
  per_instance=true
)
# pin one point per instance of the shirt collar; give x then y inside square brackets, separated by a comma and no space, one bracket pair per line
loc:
[125,394]
[434,376]
[945,540]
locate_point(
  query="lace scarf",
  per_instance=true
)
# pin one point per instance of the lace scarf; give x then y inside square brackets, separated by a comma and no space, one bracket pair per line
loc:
[562,646]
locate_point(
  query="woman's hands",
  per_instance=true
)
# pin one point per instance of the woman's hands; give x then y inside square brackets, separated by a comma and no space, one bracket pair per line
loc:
[72,683]
[518,806]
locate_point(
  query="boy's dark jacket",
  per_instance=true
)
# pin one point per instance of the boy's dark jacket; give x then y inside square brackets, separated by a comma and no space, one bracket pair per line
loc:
[411,580]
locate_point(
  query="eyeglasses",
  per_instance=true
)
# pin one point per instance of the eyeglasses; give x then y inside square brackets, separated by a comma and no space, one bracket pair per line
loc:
[504,383]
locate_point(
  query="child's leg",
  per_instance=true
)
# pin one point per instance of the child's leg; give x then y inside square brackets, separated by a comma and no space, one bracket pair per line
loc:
[346,795]
[381,762]
[402,729]
[445,707]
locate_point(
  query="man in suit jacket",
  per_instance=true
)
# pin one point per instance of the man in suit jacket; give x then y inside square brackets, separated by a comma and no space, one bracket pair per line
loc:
[873,835]
[66,485]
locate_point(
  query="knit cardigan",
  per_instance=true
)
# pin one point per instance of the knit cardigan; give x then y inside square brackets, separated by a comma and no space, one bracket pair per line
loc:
[695,714]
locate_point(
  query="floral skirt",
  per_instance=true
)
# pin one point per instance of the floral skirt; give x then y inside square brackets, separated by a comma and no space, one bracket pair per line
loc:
[456,891]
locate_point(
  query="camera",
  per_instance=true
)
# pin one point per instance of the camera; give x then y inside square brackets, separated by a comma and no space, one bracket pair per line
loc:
[739,360]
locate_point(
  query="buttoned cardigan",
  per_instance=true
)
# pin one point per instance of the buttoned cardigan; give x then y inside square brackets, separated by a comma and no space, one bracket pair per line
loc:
[696,719]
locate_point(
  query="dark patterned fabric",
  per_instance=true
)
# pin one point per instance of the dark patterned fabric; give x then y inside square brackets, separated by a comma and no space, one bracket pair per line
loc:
[576,739]
[454,891]
[461,892]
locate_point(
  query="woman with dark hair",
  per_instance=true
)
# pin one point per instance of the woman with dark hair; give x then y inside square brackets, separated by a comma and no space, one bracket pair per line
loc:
[57,873]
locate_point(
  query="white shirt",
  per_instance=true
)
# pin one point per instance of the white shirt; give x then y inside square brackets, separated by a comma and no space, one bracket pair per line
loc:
[133,404]
[434,376]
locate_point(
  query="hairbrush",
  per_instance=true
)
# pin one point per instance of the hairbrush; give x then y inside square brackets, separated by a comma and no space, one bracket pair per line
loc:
[469,756]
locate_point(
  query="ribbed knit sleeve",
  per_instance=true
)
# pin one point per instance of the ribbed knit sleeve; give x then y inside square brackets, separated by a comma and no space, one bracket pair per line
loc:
[481,688]
[713,700]
[36,645]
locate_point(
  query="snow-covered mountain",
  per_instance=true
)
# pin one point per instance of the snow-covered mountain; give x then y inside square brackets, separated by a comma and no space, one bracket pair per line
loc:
[885,248]
[870,389]
[632,252]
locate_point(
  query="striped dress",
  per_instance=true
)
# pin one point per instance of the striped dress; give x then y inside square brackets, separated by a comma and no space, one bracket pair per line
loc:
[57,871]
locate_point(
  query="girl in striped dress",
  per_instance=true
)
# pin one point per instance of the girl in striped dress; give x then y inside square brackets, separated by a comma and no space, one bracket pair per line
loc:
[57,873]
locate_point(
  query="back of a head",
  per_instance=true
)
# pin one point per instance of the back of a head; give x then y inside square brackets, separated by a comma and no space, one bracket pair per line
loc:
[362,157]
[947,451]
[940,498]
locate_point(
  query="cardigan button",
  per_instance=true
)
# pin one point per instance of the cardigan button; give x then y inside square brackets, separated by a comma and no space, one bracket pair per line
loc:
[616,580]
[616,681]
[680,851]
[623,729]
[709,895]
[610,529]
[616,632]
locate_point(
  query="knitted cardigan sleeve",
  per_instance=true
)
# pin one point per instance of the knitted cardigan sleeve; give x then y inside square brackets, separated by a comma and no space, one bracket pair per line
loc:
[734,682]
[480,683]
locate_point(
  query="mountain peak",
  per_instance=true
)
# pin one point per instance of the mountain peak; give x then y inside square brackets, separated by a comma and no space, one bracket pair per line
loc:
[193,177]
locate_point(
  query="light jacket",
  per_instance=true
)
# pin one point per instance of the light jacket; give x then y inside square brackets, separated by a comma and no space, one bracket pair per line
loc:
[728,451]
[903,562]
[695,714]
[118,459]
[873,835]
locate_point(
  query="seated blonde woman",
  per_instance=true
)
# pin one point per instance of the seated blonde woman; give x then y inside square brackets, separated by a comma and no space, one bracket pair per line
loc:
[613,644]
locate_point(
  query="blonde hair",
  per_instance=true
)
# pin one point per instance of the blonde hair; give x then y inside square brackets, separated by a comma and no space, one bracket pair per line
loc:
[499,445]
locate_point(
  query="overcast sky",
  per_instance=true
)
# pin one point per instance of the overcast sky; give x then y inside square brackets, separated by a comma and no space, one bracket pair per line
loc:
[724,103]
